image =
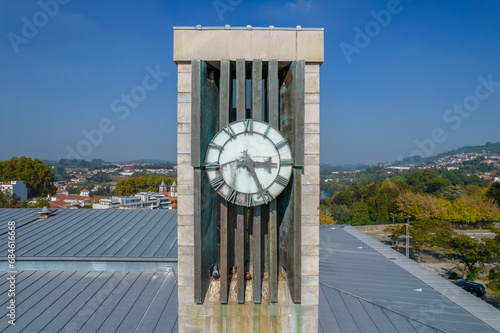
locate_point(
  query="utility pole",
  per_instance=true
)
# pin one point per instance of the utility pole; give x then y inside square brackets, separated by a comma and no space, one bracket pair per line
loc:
[392,218]
[408,237]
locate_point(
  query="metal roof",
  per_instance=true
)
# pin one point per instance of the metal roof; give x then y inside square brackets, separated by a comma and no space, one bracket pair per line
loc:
[97,233]
[91,301]
[92,271]
[107,270]
[367,287]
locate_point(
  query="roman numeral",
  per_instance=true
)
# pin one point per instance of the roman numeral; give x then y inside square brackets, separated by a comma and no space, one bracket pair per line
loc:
[248,125]
[270,196]
[281,143]
[281,180]
[217,182]
[216,146]
[250,200]
[231,196]
[267,130]
[229,131]
[212,165]
[287,162]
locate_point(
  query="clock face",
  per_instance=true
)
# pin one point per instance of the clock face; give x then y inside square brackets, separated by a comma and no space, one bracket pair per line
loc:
[249,163]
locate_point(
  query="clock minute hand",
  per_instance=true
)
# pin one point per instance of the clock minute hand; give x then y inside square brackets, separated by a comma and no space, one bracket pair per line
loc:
[249,164]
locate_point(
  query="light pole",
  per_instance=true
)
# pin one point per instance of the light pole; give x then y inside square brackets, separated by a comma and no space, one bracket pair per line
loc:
[392,218]
[393,238]
[407,237]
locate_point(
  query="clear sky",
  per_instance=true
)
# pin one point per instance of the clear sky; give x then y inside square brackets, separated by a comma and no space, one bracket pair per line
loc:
[399,78]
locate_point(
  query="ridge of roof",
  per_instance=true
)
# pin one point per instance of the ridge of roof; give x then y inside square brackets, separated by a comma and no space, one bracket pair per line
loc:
[382,307]
[479,309]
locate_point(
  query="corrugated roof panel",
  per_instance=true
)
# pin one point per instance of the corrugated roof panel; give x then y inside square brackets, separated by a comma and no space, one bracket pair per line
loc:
[94,233]
[351,264]
[327,319]
[93,301]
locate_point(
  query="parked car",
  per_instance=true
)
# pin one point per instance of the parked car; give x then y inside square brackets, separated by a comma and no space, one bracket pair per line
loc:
[476,289]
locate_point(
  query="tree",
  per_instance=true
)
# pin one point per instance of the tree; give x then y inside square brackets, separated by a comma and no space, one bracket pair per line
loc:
[100,177]
[437,184]
[33,172]
[494,192]
[359,212]
[494,274]
[395,233]
[59,173]
[133,185]
[8,200]
[102,191]
[423,207]
[452,192]
[470,252]
[340,213]
[416,182]
[325,218]
[472,209]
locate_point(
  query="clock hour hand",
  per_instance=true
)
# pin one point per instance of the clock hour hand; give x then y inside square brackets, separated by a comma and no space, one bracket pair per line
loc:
[249,164]
[267,164]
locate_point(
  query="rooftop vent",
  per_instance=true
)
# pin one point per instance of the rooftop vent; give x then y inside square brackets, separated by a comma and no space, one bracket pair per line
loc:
[44,213]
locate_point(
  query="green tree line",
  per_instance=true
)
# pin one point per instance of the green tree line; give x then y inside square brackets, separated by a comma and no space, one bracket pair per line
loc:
[133,185]
[33,172]
[454,197]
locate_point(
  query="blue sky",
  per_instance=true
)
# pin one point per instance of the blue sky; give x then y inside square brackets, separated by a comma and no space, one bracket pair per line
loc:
[423,79]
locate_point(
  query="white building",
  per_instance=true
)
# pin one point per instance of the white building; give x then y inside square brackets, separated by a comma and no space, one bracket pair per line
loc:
[84,193]
[16,187]
[147,200]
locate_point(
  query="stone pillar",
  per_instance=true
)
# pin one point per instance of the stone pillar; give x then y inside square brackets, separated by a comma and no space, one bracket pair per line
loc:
[310,198]
[185,188]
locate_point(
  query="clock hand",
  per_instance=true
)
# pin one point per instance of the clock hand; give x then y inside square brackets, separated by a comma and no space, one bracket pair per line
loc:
[267,164]
[249,164]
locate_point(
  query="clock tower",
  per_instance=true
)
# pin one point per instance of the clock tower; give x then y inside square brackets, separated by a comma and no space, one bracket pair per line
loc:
[248,173]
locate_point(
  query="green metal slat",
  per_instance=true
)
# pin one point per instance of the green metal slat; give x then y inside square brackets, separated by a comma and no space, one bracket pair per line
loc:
[240,89]
[240,252]
[257,89]
[273,251]
[224,284]
[257,255]
[196,73]
[273,93]
[225,93]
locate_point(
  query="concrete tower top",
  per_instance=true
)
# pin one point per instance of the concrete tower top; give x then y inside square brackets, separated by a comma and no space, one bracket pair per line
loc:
[231,43]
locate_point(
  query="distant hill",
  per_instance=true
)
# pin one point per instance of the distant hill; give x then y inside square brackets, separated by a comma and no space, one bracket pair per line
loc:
[329,168]
[489,147]
[147,161]
[100,164]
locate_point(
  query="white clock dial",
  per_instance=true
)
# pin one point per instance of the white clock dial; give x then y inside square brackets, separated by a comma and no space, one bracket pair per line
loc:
[249,163]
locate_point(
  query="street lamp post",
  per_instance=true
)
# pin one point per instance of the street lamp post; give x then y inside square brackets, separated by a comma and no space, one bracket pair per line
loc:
[392,218]
[408,237]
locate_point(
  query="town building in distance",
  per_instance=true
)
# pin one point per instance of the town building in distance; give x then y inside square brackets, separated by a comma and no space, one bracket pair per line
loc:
[147,200]
[16,187]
